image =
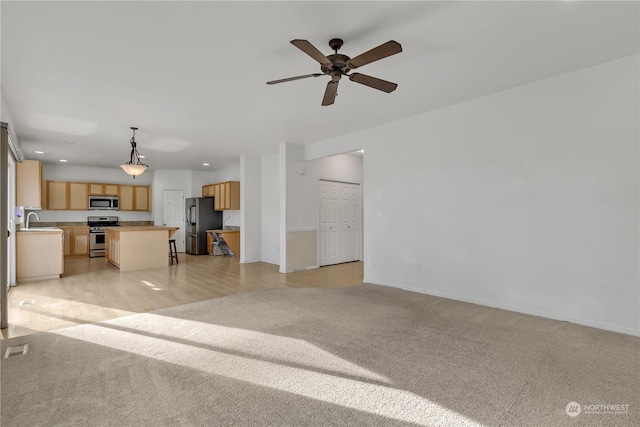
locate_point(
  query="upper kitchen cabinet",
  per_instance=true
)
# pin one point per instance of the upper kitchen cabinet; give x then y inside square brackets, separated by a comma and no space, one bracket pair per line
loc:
[135,198]
[207,190]
[228,198]
[67,196]
[78,196]
[226,195]
[96,189]
[29,184]
[126,197]
[56,195]
[142,199]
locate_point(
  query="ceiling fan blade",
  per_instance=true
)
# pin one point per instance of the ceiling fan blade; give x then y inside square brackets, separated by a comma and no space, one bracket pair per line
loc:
[273,82]
[373,82]
[330,92]
[312,51]
[386,49]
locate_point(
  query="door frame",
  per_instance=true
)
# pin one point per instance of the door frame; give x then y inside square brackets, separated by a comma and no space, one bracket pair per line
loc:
[359,213]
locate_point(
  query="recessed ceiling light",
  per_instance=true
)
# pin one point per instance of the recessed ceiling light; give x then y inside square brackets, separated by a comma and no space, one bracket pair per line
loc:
[63,160]
[205,164]
[142,157]
[362,151]
[39,152]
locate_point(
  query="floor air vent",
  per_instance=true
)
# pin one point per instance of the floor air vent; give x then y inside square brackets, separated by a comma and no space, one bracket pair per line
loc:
[16,350]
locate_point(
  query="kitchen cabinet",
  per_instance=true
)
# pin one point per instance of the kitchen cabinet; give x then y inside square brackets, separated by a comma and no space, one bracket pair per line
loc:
[142,198]
[232,237]
[97,189]
[29,184]
[126,197]
[67,196]
[229,196]
[207,190]
[39,255]
[135,198]
[76,241]
[216,197]
[78,196]
[56,195]
[226,195]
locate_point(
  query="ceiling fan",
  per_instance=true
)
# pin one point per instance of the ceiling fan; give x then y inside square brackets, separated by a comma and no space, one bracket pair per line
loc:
[337,65]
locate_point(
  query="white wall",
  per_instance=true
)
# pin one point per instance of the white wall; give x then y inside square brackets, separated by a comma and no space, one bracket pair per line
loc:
[270,209]
[250,201]
[5,114]
[67,172]
[526,199]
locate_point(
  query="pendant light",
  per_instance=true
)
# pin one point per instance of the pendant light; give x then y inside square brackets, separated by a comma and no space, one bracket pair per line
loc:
[134,166]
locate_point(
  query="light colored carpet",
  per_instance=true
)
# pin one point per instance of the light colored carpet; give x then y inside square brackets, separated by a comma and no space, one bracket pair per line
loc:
[367,355]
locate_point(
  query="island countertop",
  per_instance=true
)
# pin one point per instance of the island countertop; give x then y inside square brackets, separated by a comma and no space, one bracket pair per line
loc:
[125,229]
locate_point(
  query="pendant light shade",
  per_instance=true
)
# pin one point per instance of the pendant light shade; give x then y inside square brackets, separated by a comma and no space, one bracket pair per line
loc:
[134,166]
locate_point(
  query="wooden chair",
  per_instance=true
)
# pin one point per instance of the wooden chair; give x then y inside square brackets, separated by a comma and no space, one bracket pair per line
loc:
[173,253]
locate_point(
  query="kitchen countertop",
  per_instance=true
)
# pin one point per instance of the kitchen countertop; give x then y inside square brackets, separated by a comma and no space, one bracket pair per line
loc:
[83,223]
[40,230]
[225,231]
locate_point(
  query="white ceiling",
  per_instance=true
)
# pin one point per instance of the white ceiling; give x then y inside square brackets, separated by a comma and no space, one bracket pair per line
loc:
[191,75]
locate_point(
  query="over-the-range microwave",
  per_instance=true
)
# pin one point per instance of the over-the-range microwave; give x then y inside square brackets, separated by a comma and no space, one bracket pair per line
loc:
[104,203]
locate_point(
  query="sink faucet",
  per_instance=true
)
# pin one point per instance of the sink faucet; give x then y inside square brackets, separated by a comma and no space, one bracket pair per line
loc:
[31,213]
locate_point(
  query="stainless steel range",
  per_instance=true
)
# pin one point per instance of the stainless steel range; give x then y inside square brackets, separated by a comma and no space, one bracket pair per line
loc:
[97,234]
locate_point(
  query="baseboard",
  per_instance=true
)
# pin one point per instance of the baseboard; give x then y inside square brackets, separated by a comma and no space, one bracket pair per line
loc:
[597,325]
[311,267]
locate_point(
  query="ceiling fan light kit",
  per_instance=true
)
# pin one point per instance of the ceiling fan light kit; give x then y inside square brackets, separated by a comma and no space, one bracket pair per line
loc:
[337,65]
[134,166]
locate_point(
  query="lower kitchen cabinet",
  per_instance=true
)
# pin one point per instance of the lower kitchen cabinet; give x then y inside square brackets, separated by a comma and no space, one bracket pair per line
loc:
[39,255]
[76,241]
[232,237]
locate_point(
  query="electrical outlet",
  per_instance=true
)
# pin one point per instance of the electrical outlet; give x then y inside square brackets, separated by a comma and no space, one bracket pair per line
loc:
[380,216]
[418,267]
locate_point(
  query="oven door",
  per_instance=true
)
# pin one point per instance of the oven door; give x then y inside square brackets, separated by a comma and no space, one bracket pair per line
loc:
[96,244]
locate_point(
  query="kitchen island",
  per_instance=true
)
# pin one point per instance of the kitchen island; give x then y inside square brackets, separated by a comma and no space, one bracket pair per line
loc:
[138,247]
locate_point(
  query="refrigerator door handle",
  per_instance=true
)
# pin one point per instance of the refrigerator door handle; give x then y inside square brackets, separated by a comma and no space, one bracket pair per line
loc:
[192,215]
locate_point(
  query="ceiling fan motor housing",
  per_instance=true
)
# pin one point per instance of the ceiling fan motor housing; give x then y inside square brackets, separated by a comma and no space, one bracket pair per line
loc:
[338,62]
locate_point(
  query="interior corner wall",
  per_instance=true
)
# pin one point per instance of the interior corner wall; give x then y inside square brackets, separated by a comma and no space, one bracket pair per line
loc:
[270,207]
[525,200]
[251,209]
[5,112]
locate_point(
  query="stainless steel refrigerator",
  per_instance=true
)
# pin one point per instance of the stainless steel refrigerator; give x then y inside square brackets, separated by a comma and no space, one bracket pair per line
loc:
[200,217]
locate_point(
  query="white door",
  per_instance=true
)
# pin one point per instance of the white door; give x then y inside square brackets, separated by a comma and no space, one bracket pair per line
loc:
[339,222]
[173,215]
